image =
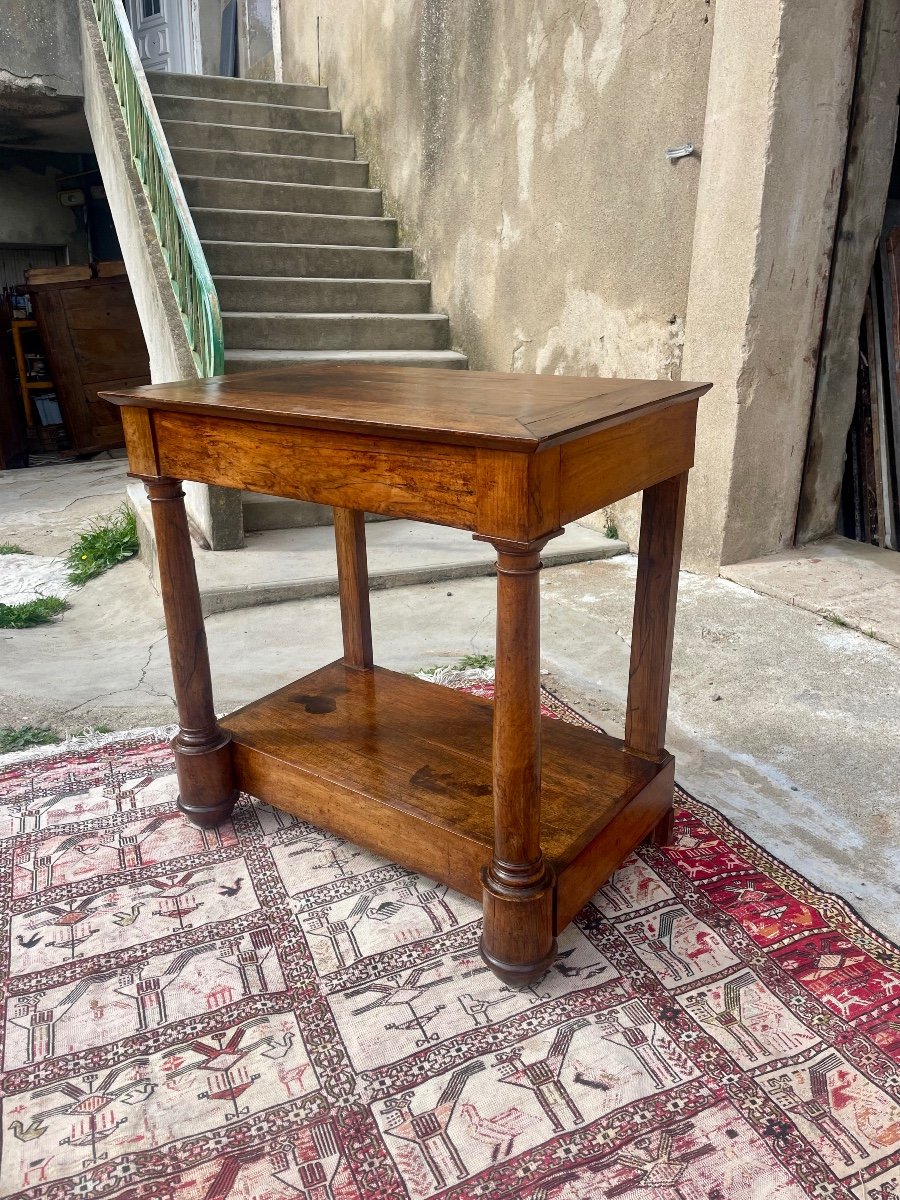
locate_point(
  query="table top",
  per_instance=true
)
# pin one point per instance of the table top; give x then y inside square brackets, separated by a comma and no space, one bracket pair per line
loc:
[474,408]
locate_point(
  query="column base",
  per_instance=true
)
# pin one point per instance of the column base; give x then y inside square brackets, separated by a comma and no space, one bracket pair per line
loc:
[206,790]
[519,975]
[518,943]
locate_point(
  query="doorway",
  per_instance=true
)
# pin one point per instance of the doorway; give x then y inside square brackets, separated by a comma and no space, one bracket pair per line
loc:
[164,34]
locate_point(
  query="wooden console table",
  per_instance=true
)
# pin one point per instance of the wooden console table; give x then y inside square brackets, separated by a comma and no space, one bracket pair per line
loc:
[526,814]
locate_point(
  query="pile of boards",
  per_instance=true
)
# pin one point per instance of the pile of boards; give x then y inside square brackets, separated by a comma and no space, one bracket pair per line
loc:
[870,502]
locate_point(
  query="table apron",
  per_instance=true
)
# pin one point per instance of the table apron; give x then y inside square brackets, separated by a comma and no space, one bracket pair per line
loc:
[512,495]
[430,482]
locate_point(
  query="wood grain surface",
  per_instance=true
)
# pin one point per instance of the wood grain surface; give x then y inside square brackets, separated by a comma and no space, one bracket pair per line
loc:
[475,408]
[385,746]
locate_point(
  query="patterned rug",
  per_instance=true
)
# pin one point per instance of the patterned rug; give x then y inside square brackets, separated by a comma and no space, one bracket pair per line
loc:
[265,1012]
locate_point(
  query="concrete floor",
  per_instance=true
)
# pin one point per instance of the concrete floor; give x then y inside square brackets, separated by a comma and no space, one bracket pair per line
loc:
[855,584]
[779,718]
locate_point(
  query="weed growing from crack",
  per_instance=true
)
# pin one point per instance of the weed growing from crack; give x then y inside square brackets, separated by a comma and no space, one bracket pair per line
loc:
[834,619]
[467,662]
[475,660]
[105,543]
[32,612]
[12,548]
[28,735]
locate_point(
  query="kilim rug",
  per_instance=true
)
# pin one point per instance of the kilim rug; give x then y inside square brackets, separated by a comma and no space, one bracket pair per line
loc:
[265,1012]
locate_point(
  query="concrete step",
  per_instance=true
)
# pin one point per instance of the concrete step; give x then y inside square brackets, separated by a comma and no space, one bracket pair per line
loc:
[255,293]
[332,262]
[273,168]
[197,136]
[235,112]
[299,564]
[336,331]
[260,196]
[274,512]
[237,361]
[310,229]
[219,87]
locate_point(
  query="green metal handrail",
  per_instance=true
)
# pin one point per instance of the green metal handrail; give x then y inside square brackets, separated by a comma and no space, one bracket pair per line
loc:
[195,292]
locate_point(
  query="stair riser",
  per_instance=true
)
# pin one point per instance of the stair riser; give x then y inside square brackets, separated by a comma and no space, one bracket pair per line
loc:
[260,116]
[262,513]
[296,228]
[259,141]
[257,91]
[350,333]
[224,164]
[323,295]
[281,197]
[237,364]
[321,262]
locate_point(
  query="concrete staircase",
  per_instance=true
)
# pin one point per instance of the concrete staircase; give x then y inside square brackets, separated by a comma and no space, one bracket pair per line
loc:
[306,265]
[307,269]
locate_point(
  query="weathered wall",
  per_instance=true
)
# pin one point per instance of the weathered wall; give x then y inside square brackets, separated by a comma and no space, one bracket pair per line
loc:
[256,48]
[40,50]
[522,146]
[774,142]
[32,214]
[208,19]
[40,75]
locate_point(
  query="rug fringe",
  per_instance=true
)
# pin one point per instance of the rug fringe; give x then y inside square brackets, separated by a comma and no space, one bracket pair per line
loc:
[78,742]
[455,676]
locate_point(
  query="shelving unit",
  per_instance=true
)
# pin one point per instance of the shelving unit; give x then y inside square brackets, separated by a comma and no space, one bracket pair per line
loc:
[27,385]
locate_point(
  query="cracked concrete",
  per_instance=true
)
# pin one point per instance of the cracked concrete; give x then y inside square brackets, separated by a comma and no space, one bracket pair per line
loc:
[45,508]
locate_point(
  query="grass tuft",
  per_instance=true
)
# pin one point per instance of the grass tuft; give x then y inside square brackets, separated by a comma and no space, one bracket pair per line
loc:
[611,531]
[475,660]
[12,548]
[834,619]
[105,543]
[32,612]
[28,735]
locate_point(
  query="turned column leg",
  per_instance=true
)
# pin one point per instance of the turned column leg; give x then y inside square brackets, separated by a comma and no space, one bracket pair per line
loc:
[353,584]
[202,751]
[518,943]
[659,555]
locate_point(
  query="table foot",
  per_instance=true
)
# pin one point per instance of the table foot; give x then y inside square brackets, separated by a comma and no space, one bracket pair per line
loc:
[519,975]
[663,832]
[206,791]
[518,943]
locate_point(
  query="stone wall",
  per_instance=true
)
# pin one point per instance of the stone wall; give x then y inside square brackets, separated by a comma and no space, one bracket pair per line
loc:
[522,147]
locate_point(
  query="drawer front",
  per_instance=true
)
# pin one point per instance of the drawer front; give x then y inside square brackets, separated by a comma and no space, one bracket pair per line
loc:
[424,481]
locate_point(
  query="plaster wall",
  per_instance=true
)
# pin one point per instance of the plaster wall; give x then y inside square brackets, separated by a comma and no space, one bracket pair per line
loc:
[256,44]
[522,147]
[32,214]
[40,50]
[774,143]
[208,24]
[40,75]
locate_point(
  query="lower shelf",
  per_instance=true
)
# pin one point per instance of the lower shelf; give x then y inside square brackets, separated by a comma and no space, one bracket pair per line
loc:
[403,767]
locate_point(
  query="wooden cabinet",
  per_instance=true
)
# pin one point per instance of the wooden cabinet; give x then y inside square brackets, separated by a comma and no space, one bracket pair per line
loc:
[93,341]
